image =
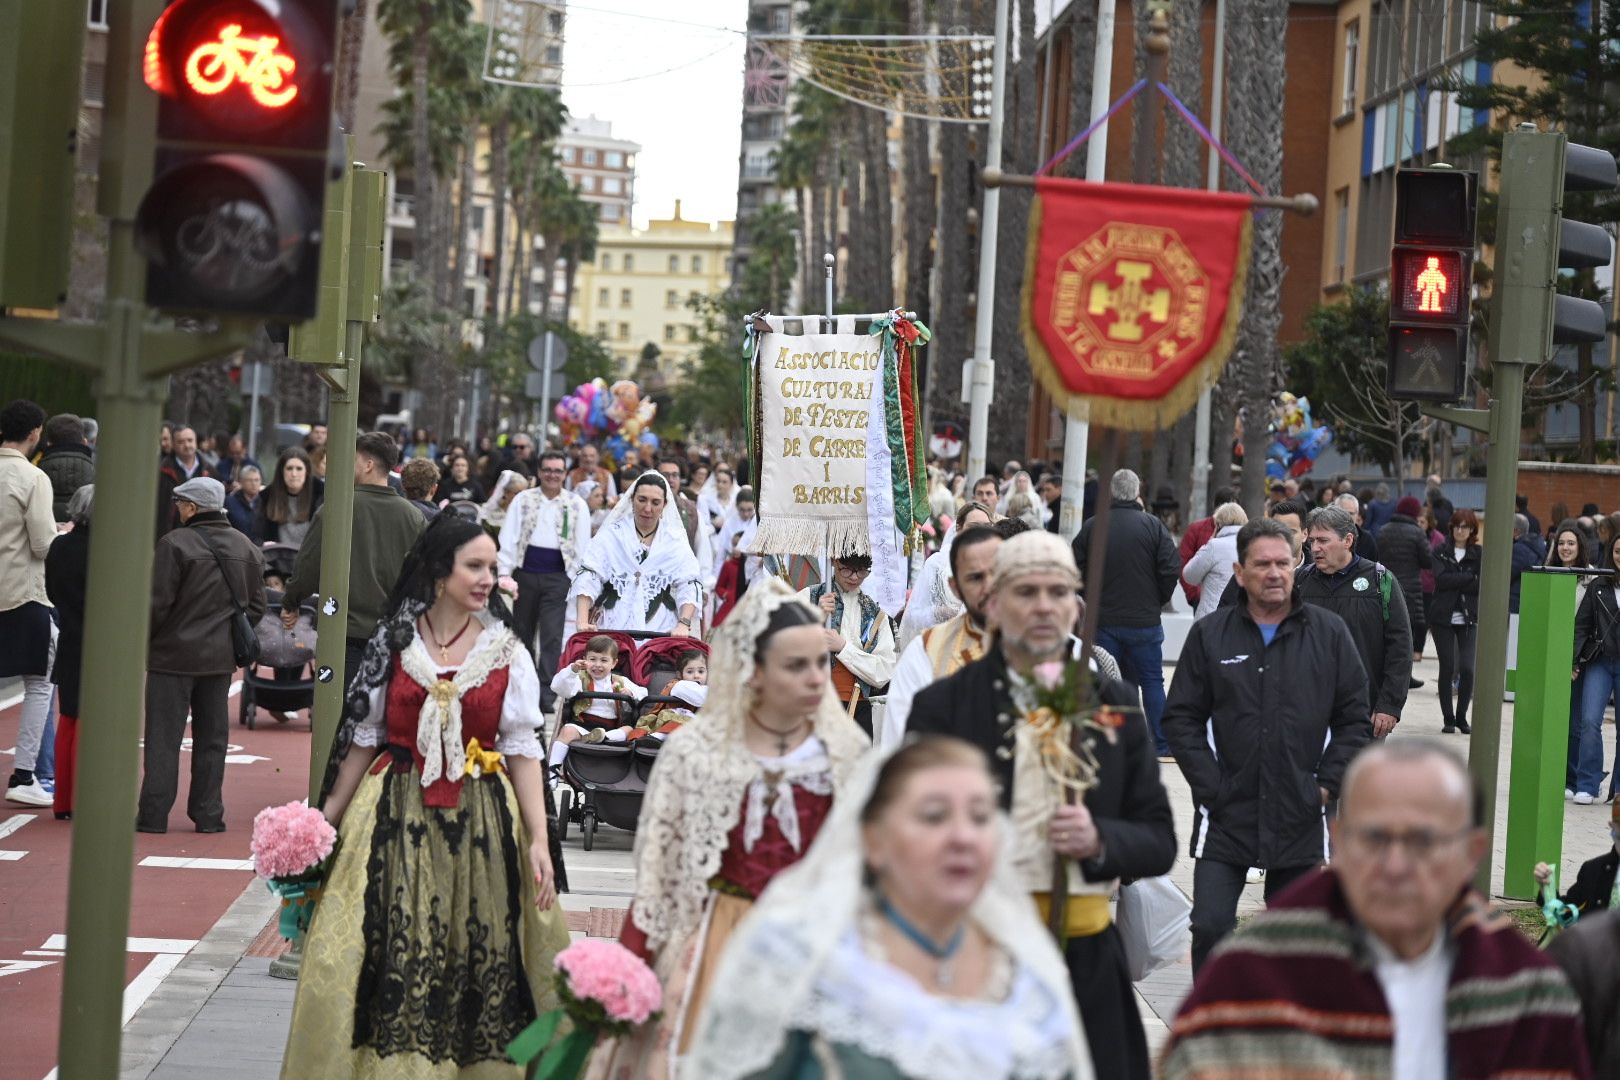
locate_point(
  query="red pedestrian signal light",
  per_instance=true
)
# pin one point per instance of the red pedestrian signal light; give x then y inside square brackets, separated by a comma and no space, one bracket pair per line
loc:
[232,222]
[1426,283]
[1431,271]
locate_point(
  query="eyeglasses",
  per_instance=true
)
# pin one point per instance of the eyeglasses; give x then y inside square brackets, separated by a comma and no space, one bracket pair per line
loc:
[1421,845]
[551,472]
[850,571]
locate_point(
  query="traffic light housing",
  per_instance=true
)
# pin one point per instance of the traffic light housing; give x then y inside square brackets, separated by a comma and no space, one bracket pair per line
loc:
[1431,270]
[41,52]
[232,223]
[1582,246]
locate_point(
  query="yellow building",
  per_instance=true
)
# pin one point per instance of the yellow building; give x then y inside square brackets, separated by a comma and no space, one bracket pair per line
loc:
[638,289]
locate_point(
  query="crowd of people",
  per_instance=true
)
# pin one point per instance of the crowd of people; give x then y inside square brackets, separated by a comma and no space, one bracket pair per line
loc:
[865,849]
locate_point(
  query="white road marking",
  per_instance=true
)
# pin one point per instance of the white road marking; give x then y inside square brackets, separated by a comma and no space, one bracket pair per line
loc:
[151,976]
[43,952]
[179,862]
[18,967]
[11,856]
[243,759]
[15,822]
[135,944]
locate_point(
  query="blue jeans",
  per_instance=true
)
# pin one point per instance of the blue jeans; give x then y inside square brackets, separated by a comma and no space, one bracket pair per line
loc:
[1577,690]
[1140,652]
[1600,678]
[45,761]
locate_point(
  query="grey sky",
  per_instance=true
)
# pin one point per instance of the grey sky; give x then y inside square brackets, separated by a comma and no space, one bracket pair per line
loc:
[669,76]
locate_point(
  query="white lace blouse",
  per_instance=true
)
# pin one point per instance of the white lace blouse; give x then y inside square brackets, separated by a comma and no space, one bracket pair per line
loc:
[520,708]
[864,1002]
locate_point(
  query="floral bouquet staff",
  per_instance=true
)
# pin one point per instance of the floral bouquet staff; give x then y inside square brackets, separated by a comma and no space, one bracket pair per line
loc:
[604,988]
[290,845]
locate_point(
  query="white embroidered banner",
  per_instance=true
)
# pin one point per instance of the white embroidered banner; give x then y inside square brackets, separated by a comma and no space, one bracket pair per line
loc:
[815,396]
[887,585]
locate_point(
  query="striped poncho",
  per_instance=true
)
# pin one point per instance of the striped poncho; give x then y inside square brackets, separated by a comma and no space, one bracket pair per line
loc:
[1294,994]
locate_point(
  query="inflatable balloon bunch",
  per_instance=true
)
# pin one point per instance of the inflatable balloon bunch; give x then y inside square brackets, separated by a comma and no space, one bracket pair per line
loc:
[1296,439]
[618,412]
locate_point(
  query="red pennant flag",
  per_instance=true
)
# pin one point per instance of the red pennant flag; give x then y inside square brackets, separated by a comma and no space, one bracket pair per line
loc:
[1132,295]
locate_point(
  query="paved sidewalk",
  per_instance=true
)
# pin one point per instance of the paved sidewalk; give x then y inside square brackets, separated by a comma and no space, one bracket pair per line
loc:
[220,1013]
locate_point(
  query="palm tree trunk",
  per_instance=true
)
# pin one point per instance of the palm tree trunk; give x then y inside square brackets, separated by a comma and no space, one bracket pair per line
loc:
[428,256]
[1082,55]
[880,208]
[917,176]
[517,261]
[1009,409]
[1255,127]
[499,155]
[353,37]
[463,212]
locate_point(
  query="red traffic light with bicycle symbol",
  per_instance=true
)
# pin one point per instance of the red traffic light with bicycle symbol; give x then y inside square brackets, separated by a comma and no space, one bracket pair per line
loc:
[232,221]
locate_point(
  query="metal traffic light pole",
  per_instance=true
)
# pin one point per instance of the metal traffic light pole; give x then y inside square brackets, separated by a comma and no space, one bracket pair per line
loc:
[1532,172]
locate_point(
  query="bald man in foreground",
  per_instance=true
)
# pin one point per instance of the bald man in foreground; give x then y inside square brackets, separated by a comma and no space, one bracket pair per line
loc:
[1388,963]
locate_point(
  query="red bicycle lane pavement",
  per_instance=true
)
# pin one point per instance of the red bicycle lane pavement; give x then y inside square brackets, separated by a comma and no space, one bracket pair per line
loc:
[183,881]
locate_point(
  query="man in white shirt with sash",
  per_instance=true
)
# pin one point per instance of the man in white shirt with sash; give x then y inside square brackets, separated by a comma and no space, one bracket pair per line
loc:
[545,532]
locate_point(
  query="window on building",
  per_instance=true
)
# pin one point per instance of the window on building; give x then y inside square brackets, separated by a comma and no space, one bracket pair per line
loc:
[589,157]
[601,329]
[554,22]
[629,263]
[669,332]
[692,298]
[554,55]
[624,297]
[96,15]
[478,219]
[607,262]
[1341,233]
[674,264]
[603,297]
[567,154]
[611,212]
[587,183]
[697,264]
[691,334]
[1352,58]
[624,331]
[612,185]
[727,264]
[672,299]
[613,159]
[781,20]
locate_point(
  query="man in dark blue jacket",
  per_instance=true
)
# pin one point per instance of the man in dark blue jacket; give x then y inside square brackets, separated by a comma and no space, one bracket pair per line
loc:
[1264,760]
[1525,555]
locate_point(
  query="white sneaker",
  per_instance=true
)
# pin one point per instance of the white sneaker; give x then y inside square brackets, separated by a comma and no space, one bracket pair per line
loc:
[1583,799]
[29,794]
[1568,794]
[1255,876]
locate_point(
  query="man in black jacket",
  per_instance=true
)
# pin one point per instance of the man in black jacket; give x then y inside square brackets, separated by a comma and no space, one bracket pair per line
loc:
[1139,578]
[67,461]
[1123,828]
[1263,758]
[1369,600]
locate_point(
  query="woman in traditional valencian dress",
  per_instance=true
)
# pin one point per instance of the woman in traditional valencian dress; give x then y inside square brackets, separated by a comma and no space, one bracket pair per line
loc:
[433,942]
[639,573]
[898,949]
[738,795]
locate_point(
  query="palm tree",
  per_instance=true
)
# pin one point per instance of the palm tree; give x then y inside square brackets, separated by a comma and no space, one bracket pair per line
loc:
[918,234]
[578,238]
[533,112]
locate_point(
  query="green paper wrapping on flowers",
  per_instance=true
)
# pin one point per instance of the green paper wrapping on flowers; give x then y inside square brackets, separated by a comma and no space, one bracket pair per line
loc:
[547,1057]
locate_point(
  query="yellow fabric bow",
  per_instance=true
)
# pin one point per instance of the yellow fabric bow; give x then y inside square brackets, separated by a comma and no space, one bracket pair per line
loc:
[481,761]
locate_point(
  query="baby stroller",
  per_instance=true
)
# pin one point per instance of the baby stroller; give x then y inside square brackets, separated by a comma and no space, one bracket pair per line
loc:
[603,783]
[289,654]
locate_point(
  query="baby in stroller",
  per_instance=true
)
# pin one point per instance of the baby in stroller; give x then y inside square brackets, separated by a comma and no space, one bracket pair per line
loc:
[691,688]
[593,673]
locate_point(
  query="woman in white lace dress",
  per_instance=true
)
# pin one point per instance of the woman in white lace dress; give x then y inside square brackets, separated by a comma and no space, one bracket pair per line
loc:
[738,795]
[932,601]
[897,948]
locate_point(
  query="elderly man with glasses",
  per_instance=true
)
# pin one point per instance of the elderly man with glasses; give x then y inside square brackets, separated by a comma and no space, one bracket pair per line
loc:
[1387,963]
[545,532]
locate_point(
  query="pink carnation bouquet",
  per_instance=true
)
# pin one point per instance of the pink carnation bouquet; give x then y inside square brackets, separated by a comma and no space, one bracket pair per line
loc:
[290,847]
[605,989]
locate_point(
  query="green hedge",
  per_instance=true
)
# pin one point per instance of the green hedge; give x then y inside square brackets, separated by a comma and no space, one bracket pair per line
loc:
[56,386]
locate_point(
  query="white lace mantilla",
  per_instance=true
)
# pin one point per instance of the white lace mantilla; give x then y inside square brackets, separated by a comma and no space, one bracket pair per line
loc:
[438,725]
[861,1001]
[696,794]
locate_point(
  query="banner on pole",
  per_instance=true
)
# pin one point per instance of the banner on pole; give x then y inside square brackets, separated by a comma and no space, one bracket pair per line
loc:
[833,428]
[1132,296]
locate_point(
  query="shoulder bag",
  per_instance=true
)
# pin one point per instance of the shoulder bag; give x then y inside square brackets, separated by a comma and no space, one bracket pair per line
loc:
[244,642]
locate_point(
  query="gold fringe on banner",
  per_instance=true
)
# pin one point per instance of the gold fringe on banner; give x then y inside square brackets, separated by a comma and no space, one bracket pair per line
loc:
[1126,413]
